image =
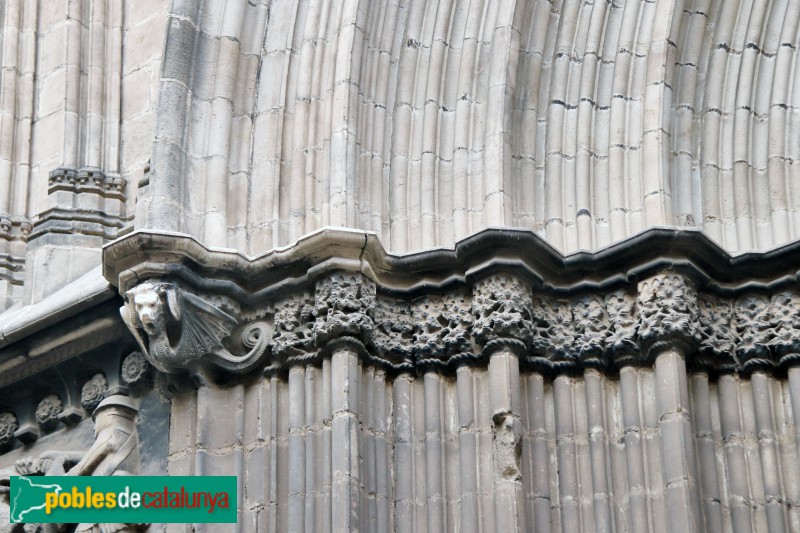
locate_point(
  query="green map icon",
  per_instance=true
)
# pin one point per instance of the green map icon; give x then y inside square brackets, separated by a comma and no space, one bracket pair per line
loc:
[28,495]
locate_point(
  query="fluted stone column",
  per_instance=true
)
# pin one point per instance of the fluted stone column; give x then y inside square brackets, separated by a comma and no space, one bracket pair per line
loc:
[591,327]
[344,305]
[668,331]
[502,307]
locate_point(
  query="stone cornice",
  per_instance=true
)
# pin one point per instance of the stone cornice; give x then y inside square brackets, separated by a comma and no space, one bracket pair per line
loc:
[195,309]
[142,255]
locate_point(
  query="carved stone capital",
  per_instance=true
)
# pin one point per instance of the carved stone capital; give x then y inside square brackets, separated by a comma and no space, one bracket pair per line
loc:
[785,341]
[442,329]
[667,314]
[343,304]
[717,335]
[622,340]
[754,331]
[294,328]
[503,310]
[591,330]
[180,331]
[392,339]
[553,345]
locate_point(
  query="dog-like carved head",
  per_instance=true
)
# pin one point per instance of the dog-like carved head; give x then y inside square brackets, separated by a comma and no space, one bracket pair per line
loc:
[147,306]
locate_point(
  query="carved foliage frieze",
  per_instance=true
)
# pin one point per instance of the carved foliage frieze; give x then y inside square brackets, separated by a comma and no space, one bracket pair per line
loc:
[179,329]
[717,334]
[442,326]
[622,341]
[553,345]
[754,331]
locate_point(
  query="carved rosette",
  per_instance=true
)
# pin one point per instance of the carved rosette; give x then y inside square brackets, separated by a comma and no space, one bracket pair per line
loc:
[393,334]
[442,329]
[591,328]
[716,335]
[136,373]
[92,392]
[668,314]
[503,313]
[553,345]
[754,332]
[8,425]
[785,341]
[47,412]
[293,336]
[622,340]
[344,304]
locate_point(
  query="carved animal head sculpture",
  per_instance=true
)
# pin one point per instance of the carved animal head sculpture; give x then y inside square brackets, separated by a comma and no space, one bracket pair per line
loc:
[179,331]
[145,305]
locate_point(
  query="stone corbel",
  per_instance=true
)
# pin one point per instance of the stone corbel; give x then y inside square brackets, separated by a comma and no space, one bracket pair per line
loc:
[179,331]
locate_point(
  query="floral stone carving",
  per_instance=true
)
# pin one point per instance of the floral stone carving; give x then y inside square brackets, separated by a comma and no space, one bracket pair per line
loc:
[47,412]
[503,311]
[754,331]
[622,340]
[343,304]
[785,341]
[136,373]
[92,392]
[8,425]
[591,327]
[442,329]
[668,314]
[716,335]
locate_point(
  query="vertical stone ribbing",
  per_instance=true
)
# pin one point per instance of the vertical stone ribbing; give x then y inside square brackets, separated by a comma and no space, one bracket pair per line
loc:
[668,330]
[434,448]
[706,452]
[404,504]
[602,494]
[635,460]
[569,481]
[505,404]
[740,500]
[468,451]
[772,479]
[346,442]
[297,449]
[536,465]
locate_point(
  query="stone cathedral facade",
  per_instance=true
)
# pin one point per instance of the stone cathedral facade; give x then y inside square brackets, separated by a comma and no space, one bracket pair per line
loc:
[409,265]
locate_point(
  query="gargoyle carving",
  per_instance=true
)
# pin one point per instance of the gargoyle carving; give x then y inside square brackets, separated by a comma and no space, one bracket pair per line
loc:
[180,331]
